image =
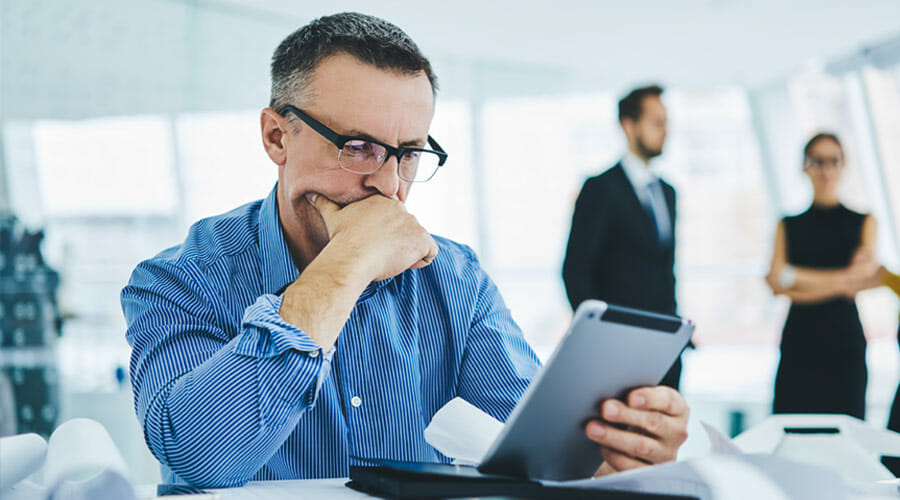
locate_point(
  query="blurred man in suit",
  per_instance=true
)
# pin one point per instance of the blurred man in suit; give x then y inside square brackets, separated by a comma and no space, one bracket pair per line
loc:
[622,244]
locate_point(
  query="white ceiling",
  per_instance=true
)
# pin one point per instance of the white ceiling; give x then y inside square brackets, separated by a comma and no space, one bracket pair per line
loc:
[689,43]
[206,55]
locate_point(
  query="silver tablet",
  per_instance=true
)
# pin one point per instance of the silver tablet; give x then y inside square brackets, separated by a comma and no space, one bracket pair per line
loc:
[607,351]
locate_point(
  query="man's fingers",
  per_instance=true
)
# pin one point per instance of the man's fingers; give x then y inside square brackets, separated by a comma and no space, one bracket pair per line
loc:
[651,423]
[426,260]
[432,252]
[637,446]
[619,461]
[659,398]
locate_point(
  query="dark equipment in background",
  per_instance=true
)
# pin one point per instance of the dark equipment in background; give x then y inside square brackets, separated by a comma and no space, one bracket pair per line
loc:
[30,323]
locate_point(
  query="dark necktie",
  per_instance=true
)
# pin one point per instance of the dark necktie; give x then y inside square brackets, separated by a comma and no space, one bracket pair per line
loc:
[655,205]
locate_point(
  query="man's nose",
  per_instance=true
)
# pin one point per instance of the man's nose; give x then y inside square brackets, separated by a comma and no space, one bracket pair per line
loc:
[386,179]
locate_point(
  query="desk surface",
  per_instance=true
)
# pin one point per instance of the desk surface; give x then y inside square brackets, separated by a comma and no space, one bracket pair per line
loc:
[300,489]
[293,490]
[303,489]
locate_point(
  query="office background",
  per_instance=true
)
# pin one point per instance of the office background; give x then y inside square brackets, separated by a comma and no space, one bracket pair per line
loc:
[123,122]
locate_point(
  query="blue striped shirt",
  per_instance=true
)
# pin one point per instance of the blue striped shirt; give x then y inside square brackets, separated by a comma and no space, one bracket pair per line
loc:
[227,391]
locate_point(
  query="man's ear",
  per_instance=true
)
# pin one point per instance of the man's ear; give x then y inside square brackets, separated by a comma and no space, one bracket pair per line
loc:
[628,127]
[274,130]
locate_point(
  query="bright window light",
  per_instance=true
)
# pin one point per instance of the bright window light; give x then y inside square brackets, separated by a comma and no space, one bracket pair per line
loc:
[445,205]
[108,166]
[223,162]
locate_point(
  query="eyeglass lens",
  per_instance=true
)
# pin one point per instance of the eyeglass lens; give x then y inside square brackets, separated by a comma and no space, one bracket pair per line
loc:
[364,157]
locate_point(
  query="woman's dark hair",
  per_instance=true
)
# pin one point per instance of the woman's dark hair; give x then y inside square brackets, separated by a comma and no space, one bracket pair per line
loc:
[819,137]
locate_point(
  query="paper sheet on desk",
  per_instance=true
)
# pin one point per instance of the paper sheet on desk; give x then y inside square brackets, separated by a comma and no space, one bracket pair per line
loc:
[727,477]
[20,456]
[462,431]
[718,442]
[80,462]
[84,463]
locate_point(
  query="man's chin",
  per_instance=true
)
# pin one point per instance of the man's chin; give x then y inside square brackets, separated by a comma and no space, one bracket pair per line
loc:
[649,153]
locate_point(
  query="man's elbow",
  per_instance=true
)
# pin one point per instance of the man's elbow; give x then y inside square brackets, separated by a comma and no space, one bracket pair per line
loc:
[212,473]
[201,466]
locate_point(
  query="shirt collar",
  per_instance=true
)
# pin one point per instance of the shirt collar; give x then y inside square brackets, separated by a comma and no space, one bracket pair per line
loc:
[637,171]
[278,269]
[277,266]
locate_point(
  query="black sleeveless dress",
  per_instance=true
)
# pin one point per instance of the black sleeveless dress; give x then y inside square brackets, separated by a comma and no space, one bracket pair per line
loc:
[823,350]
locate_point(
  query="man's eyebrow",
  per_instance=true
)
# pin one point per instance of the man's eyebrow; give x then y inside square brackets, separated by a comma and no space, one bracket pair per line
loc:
[411,143]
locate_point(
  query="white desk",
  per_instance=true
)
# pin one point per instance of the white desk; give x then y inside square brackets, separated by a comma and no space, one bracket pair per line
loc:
[293,490]
[315,489]
[300,489]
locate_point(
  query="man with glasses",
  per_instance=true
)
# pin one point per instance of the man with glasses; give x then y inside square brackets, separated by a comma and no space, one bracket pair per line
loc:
[324,322]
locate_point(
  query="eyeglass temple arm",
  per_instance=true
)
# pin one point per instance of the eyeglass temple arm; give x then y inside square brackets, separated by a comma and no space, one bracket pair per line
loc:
[326,132]
[437,147]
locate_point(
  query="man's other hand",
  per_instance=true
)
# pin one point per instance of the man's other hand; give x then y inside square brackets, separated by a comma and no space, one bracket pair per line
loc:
[648,430]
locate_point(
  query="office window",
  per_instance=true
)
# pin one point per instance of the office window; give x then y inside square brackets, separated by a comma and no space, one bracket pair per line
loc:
[884,105]
[537,153]
[120,166]
[445,205]
[724,218]
[222,162]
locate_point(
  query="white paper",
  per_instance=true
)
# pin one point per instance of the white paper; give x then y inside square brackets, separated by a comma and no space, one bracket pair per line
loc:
[25,490]
[677,478]
[718,442]
[461,431]
[20,457]
[79,463]
[84,463]
[726,477]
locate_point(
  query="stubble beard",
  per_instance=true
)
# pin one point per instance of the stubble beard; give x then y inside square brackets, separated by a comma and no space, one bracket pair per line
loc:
[646,151]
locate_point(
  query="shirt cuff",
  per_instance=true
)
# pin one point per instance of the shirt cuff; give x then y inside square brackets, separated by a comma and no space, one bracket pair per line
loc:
[291,380]
[265,334]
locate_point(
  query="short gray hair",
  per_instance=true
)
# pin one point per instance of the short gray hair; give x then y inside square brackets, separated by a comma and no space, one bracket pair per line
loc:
[367,38]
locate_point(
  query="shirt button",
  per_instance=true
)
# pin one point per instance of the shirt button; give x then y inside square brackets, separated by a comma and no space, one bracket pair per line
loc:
[356,401]
[313,354]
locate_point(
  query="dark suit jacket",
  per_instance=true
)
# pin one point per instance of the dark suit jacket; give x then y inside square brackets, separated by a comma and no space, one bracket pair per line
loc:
[614,252]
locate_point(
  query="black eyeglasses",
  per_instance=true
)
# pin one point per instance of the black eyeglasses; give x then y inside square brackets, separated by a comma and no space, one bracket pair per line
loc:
[361,155]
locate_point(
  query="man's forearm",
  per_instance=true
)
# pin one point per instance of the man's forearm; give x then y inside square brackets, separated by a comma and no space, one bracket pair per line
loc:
[321,299]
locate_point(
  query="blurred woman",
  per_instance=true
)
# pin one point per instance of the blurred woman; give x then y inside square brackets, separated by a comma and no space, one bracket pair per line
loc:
[822,258]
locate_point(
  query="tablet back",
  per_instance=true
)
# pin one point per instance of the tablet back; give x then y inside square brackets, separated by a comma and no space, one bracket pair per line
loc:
[607,351]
